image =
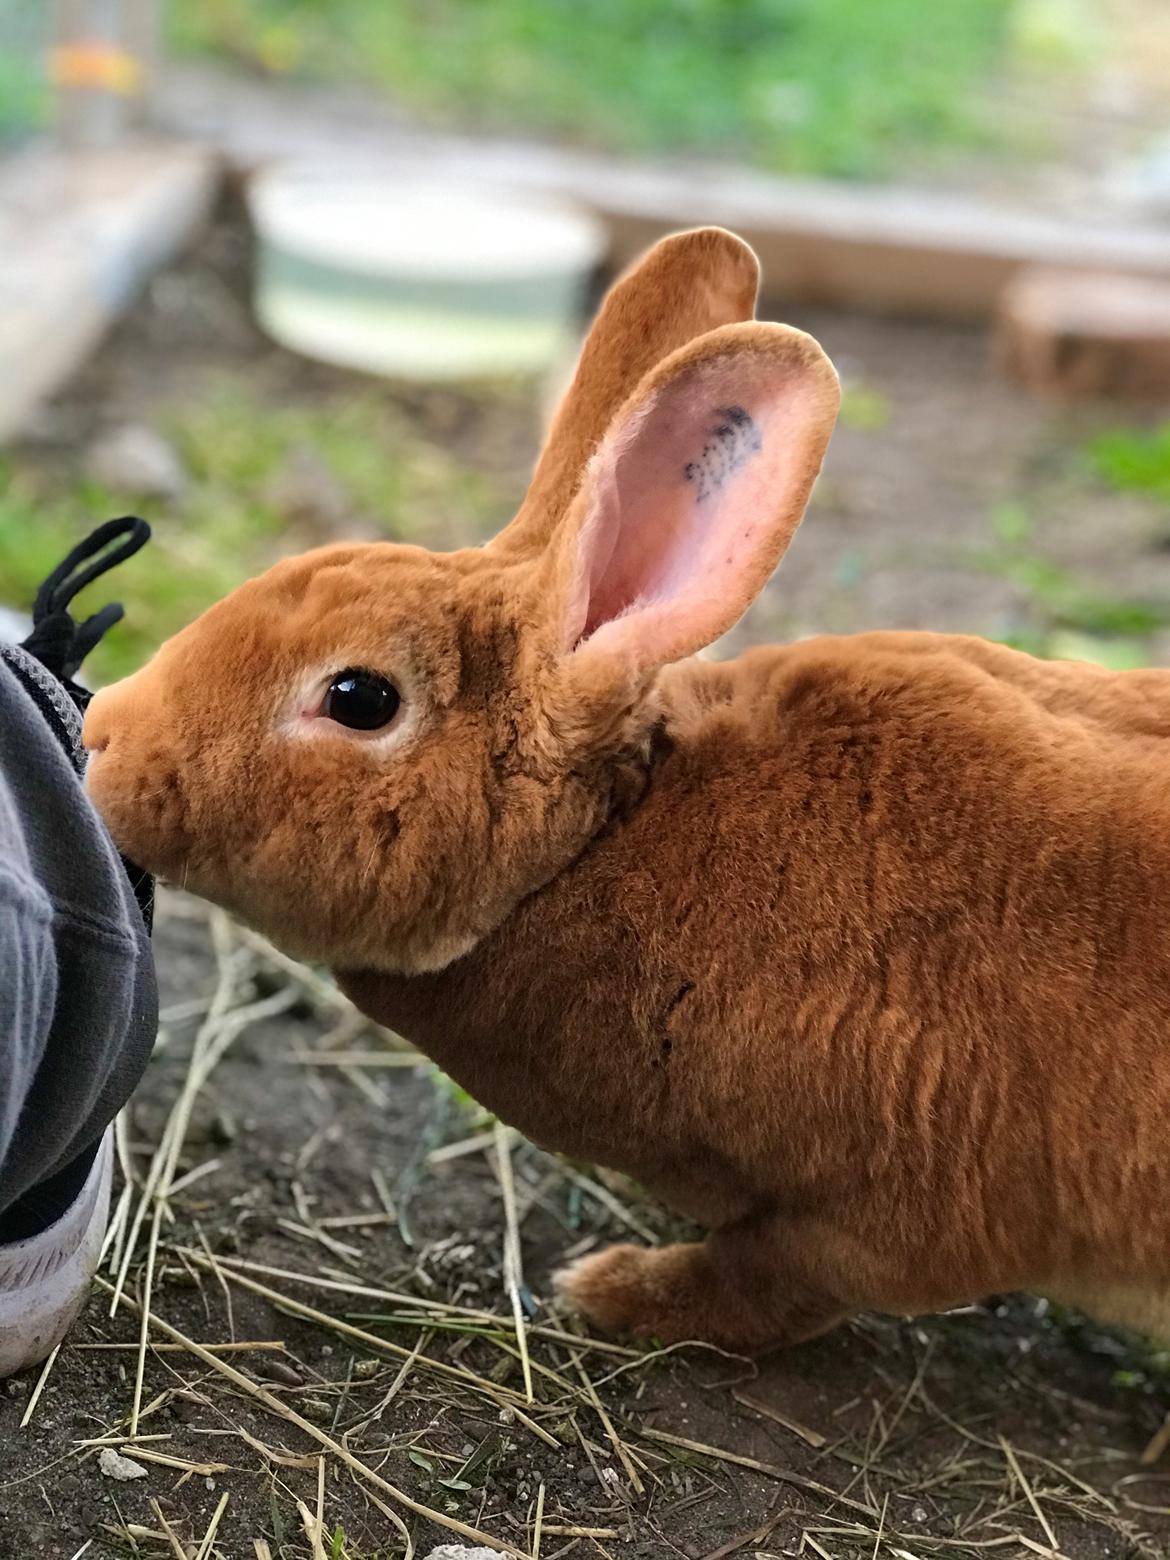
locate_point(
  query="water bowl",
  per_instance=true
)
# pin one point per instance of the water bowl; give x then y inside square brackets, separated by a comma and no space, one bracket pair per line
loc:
[427,280]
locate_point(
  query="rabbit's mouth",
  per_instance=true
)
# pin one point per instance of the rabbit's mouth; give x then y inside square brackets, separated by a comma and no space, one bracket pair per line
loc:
[147,821]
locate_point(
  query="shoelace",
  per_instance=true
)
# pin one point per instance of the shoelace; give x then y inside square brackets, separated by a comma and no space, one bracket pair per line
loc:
[60,644]
[56,641]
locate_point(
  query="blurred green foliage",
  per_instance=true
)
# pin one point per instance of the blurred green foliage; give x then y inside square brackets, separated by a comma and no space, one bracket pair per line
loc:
[24,87]
[242,508]
[841,87]
[1067,617]
[1135,460]
[184,570]
[864,408]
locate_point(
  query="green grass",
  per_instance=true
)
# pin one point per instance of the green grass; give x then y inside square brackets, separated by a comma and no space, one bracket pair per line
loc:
[840,87]
[863,408]
[236,517]
[1134,461]
[1068,617]
[24,87]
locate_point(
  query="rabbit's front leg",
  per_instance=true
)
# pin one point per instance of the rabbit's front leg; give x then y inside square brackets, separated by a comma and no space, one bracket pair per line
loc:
[727,1290]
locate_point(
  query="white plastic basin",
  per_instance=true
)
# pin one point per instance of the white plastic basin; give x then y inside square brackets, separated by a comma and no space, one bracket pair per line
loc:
[425,280]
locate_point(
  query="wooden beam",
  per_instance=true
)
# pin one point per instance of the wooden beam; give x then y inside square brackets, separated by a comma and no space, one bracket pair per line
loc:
[876,247]
[79,235]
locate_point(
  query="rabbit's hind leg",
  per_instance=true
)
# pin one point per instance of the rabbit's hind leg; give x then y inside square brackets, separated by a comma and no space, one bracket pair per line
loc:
[728,1290]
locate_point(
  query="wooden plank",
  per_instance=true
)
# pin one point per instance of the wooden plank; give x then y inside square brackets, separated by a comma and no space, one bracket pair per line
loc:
[79,235]
[1066,336]
[883,248]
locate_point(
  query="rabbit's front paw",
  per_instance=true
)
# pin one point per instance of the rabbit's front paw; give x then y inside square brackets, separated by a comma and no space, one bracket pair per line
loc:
[727,1290]
[614,1289]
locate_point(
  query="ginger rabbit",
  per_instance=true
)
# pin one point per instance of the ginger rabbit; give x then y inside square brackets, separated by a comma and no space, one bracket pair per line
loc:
[853,950]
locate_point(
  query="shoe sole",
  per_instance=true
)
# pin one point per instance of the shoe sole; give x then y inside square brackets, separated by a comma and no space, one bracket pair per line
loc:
[45,1280]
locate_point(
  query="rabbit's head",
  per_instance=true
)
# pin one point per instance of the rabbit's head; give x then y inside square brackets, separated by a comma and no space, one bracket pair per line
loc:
[372,752]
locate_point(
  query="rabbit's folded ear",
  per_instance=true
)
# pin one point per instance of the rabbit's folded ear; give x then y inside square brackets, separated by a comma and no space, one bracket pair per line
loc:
[693,495]
[685,286]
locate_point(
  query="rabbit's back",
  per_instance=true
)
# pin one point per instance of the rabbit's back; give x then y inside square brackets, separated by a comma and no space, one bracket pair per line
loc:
[885,939]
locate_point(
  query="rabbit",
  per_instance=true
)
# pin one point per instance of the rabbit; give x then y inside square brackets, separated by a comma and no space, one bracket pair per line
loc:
[853,951]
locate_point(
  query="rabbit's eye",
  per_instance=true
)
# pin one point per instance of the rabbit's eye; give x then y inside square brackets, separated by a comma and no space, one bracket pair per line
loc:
[363,701]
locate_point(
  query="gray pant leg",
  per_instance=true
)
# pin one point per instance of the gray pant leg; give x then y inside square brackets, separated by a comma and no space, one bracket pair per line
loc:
[78,1005]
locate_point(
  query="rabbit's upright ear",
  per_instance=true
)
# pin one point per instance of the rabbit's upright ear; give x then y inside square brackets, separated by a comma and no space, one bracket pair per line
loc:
[692,497]
[686,285]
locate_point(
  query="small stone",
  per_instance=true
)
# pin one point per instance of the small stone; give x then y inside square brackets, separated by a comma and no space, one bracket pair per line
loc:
[137,461]
[115,1466]
[179,1278]
[462,1552]
[314,1408]
[223,1130]
[305,491]
[277,1370]
[364,1369]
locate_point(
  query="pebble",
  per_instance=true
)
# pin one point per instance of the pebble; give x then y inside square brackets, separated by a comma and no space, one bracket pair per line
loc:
[115,1466]
[305,490]
[277,1370]
[462,1552]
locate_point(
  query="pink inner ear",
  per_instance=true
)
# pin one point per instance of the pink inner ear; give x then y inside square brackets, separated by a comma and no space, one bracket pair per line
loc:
[688,497]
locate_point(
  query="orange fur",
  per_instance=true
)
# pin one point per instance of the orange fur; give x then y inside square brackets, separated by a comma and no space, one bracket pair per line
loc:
[853,950]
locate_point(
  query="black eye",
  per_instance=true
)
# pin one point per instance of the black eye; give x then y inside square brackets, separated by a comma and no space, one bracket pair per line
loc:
[363,701]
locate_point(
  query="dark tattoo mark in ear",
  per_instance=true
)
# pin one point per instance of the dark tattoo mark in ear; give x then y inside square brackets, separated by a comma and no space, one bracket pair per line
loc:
[731,441]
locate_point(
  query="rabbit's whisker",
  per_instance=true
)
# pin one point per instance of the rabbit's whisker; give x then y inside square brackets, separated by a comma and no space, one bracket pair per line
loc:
[368,870]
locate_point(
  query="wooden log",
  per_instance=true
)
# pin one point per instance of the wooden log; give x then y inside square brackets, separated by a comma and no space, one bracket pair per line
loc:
[1093,334]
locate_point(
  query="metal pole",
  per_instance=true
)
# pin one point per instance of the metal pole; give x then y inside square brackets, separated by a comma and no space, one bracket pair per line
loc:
[102,60]
[143,41]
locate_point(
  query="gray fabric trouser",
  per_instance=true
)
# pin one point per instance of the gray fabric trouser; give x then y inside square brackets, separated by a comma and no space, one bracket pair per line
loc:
[78,1004]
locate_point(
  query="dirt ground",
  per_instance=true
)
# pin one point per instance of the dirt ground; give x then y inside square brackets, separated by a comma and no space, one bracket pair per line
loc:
[338,1214]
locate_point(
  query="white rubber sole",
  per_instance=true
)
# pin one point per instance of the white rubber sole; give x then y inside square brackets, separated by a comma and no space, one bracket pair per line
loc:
[44,1281]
